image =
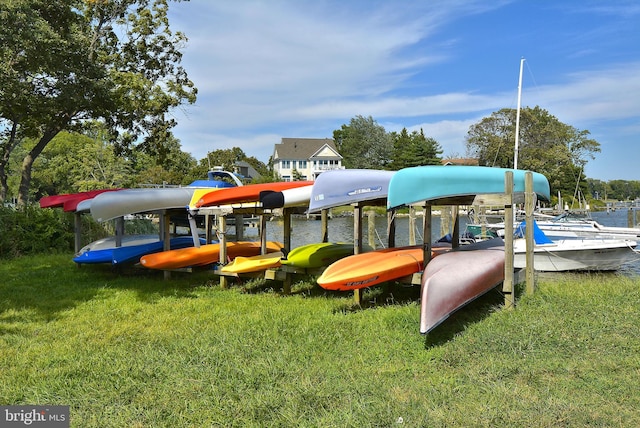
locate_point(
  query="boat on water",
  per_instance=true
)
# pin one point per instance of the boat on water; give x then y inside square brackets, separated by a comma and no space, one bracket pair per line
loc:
[568,225]
[457,277]
[336,188]
[375,267]
[259,263]
[205,254]
[317,255]
[575,254]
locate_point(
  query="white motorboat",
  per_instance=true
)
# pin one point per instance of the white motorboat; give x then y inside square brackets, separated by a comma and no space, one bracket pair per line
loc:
[575,254]
[568,226]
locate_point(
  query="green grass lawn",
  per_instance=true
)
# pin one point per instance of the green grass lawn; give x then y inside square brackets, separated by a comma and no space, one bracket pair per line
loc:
[131,349]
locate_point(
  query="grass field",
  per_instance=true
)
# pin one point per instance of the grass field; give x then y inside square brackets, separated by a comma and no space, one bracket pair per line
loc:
[133,350]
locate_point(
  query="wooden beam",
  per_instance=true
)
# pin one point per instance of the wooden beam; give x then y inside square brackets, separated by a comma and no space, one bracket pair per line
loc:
[391,228]
[357,243]
[324,222]
[507,286]
[426,233]
[371,228]
[412,225]
[165,223]
[455,218]
[222,239]
[530,202]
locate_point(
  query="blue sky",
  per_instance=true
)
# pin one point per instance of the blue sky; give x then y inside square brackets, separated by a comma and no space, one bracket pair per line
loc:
[302,68]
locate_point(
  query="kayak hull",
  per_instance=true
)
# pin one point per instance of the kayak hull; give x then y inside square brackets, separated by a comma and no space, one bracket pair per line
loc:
[204,255]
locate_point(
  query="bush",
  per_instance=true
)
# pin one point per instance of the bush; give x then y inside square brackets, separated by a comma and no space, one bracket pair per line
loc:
[32,230]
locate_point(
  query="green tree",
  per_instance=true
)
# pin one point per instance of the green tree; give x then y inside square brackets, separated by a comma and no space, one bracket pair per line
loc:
[414,150]
[227,159]
[66,62]
[546,145]
[364,144]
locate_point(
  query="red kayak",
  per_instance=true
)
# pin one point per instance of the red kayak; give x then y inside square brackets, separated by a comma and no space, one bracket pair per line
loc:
[70,201]
[248,193]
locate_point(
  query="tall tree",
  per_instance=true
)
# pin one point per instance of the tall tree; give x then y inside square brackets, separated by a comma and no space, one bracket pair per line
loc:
[364,144]
[414,150]
[546,145]
[66,62]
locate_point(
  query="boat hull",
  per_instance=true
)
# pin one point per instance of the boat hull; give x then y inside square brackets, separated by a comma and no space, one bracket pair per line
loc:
[453,279]
[348,186]
[204,255]
[131,253]
[456,184]
[248,193]
[375,267]
[312,256]
[577,255]
[296,197]
[259,263]
[110,205]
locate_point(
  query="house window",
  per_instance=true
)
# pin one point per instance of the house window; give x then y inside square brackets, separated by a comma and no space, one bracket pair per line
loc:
[302,164]
[286,164]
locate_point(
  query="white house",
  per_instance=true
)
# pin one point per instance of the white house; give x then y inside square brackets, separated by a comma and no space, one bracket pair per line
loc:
[305,158]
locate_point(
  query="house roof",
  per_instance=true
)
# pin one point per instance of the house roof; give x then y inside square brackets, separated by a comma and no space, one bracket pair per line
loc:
[460,161]
[303,148]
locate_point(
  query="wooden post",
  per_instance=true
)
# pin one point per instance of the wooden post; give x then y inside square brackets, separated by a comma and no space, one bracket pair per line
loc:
[391,229]
[165,223]
[77,228]
[324,219]
[455,235]
[371,228]
[445,220]
[426,234]
[412,225]
[357,243]
[529,205]
[286,233]
[507,286]
[630,217]
[222,239]
[239,220]
[208,225]
[263,233]
[119,231]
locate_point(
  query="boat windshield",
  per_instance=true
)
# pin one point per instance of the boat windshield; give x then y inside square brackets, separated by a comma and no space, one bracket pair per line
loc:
[570,216]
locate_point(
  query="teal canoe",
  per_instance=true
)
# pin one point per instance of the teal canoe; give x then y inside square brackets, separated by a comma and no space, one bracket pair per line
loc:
[456,184]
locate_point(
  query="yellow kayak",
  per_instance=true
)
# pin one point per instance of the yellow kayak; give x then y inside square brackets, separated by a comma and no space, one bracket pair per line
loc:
[257,263]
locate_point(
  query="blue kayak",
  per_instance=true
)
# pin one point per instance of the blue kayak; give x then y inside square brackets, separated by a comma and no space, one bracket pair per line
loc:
[131,253]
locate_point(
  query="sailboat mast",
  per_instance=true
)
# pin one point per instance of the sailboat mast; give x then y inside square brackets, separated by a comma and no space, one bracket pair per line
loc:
[515,153]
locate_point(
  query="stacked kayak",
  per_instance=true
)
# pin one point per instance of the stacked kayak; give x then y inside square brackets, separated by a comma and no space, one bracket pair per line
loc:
[204,255]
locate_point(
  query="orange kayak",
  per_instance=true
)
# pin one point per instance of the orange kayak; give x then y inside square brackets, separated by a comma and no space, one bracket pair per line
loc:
[248,193]
[367,269]
[204,255]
